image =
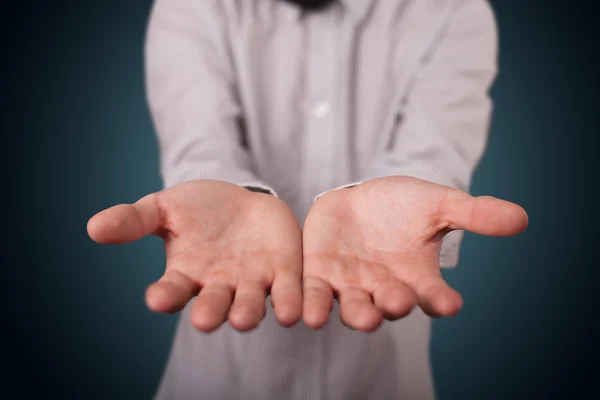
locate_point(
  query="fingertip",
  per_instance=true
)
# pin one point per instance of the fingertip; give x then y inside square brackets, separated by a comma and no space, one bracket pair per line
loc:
[522,217]
[94,228]
[288,314]
[249,306]
[399,307]
[449,305]
[395,300]
[106,226]
[446,304]
[486,215]
[436,298]
[286,299]
[368,320]
[315,319]
[502,217]
[318,302]
[159,298]
[357,310]
[155,301]
[208,313]
[204,321]
[243,318]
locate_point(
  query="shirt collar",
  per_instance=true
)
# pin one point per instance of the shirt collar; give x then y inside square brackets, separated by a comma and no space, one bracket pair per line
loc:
[358,8]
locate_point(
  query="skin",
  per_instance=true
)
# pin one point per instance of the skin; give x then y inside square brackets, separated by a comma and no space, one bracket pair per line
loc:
[375,248]
[224,244]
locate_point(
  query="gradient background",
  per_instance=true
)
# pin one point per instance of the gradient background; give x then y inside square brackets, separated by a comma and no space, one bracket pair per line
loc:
[76,138]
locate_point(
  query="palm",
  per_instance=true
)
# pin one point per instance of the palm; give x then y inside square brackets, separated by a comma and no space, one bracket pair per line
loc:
[376,247]
[225,242]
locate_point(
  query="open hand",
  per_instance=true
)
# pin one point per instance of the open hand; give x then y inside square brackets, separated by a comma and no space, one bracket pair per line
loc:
[376,247]
[229,246]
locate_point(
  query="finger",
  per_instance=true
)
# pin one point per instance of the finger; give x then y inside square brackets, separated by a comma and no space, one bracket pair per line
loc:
[126,222]
[395,299]
[248,306]
[171,293]
[210,309]
[483,215]
[357,310]
[318,302]
[286,296]
[436,298]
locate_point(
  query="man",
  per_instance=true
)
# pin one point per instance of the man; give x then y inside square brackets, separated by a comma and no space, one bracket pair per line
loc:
[319,154]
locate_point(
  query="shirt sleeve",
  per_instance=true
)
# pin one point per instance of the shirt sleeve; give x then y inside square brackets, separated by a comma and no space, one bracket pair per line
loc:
[192,95]
[444,121]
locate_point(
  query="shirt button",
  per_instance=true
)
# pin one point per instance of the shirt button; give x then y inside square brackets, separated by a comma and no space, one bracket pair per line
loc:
[321,109]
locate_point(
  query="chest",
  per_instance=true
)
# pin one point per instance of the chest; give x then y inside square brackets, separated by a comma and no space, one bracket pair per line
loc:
[329,63]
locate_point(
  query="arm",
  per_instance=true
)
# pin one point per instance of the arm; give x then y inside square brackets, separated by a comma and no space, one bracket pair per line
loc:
[446,112]
[378,246]
[192,95]
[210,225]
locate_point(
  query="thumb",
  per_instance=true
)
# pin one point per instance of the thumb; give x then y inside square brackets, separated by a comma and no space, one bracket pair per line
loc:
[126,223]
[483,215]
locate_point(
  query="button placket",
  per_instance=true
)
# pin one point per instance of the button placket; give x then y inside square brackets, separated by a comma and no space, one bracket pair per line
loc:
[319,100]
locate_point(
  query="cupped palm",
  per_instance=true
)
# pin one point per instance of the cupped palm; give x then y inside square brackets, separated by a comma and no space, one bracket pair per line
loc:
[226,245]
[376,248]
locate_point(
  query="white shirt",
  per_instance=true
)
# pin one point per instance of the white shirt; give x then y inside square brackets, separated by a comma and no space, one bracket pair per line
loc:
[254,92]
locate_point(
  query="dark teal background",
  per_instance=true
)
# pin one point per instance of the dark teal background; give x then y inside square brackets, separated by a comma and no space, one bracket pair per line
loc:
[76,138]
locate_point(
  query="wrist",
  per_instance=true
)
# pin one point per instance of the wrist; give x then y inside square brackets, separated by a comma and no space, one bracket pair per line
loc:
[346,186]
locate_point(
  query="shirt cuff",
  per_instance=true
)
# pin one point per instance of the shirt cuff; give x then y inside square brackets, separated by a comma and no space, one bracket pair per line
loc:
[262,188]
[346,186]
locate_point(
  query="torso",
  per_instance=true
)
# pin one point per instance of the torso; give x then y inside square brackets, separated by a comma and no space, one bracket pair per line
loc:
[334,88]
